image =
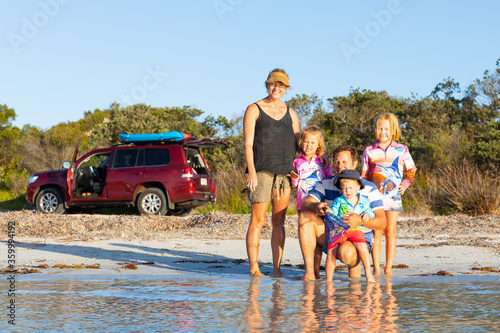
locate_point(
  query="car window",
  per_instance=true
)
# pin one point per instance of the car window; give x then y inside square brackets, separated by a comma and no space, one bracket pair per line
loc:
[125,158]
[96,161]
[157,156]
[195,161]
[140,158]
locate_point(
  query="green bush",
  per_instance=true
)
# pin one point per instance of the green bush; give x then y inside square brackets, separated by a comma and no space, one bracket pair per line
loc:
[9,201]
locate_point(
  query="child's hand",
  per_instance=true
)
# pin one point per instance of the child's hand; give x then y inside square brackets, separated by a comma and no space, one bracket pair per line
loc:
[295,178]
[401,189]
[365,217]
[324,160]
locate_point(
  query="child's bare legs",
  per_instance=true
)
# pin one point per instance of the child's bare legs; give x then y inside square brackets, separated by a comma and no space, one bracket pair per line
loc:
[377,248]
[331,258]
[318,254]
[364,255]
[390,240]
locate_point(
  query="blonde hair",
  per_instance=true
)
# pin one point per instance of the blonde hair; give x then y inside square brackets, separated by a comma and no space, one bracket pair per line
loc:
[347,180]
[393,121]
[313,130]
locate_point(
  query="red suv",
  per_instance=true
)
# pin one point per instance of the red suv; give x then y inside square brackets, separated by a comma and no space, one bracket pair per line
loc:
[157,177]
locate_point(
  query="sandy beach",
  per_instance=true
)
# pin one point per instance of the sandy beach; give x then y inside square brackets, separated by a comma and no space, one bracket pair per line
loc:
[125,245]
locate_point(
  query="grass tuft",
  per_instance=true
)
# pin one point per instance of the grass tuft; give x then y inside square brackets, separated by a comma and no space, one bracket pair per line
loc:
[466,189]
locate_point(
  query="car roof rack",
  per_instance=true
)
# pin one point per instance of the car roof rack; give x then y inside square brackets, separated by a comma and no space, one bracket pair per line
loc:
[191,141]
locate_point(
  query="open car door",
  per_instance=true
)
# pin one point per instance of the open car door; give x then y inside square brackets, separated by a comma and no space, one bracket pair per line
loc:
[71,173]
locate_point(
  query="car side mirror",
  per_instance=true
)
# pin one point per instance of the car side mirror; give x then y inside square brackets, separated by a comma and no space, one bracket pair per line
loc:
[66,165]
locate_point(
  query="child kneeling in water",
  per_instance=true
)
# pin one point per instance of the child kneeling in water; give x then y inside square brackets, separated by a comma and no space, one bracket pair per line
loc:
[349,182]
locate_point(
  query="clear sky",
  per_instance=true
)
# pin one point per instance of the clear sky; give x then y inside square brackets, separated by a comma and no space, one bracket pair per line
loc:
[60,58]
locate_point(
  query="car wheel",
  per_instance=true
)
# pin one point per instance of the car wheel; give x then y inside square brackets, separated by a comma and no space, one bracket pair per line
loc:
[180,212]
[152,202]
[50,201]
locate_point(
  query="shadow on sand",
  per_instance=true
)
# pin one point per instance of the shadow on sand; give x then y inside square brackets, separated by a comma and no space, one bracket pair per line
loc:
[161,258]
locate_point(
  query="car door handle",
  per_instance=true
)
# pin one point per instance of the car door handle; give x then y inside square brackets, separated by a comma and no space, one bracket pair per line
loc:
[139,173]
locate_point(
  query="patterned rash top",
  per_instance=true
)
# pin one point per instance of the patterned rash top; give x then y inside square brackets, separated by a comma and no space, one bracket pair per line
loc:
[310,173]
[341,206]
[387,169]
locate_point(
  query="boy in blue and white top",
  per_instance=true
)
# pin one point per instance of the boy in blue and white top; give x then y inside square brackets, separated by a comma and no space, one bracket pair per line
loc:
[350,183]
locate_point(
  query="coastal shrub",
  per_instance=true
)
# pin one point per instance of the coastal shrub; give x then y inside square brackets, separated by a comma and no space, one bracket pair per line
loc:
[14,180]
[465,189]
[418,198]
[9,201]
[230,183]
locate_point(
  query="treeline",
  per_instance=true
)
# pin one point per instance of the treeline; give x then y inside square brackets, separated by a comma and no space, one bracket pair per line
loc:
[30,149]
[451,132]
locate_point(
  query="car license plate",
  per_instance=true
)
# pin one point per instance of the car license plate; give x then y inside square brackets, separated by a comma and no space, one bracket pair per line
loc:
[203,181]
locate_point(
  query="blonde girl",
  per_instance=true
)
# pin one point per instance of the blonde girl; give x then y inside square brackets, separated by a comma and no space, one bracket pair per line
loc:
[389,166]
[311,166]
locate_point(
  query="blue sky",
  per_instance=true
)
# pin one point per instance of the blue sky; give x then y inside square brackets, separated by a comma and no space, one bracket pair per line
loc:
[60,58]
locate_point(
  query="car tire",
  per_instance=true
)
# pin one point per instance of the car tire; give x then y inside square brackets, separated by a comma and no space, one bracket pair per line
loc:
[180,212]
[152,201]
[50,201]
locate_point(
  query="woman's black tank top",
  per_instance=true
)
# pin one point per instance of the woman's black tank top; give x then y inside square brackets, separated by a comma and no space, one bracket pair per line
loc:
[274,144]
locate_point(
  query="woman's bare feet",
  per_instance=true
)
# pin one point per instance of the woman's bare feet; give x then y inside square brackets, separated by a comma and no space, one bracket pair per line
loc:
[255,271]
[277,273]
[370,279]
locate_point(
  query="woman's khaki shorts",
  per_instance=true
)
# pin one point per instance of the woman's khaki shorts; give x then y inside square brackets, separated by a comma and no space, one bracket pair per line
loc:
[267,182]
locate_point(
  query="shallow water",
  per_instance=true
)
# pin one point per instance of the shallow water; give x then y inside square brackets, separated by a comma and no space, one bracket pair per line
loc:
[228,303]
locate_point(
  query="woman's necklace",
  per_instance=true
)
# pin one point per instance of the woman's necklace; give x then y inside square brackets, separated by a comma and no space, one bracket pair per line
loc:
[275,112]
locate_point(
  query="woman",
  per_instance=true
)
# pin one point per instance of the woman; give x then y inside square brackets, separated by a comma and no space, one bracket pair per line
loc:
[271,132]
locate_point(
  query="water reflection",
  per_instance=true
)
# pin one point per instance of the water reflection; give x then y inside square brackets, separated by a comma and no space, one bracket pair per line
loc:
[214,304]
[310,307]
[320,306]
[277,318]
[254,320]
[355,307]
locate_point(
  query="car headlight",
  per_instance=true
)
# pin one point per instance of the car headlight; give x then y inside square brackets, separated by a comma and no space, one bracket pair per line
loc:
[32,179]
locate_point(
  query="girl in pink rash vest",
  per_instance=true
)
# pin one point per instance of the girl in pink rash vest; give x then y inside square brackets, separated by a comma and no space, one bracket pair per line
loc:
[312,166]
